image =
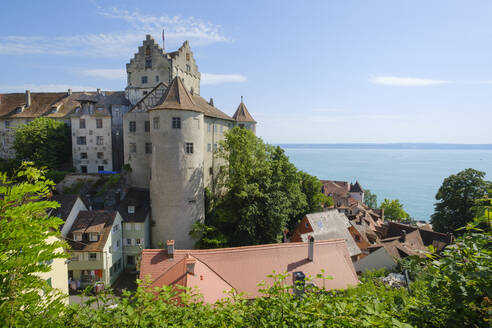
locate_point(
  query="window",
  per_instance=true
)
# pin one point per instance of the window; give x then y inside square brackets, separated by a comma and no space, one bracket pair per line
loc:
[187,56]
[137,226]
[215,128]
[81,140]
[100,155]
[133,147]
[75,257]
[128,226]
[157,78]
[83,168]
[116,228]
[145,93]
[189,148]
[117,244]
[209,127]
[148,63]
[100,168]
[131,209]
[83,155]
[188,68]
[93,236]
[77,236]
[138,241]
[148,148]
[99,123]
[241,125]
[176,122]
[82,123]
[92,256]
[128,241]
[209,147]
[110,249]
[133,126]
[100,140]
[156,123]
[144,79]
[210,170]
[130,260]
[147,126]
[147,51]
[221,129]
[7,124]
[215,147]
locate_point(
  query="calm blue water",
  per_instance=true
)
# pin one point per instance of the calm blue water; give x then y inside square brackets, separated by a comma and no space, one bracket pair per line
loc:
[411,175]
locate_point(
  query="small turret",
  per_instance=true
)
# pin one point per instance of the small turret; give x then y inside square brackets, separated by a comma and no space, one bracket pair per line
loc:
[243,117]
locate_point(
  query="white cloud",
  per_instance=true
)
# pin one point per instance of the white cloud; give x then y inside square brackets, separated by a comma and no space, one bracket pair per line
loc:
[106,73]
[212,79]
[44,87]
[117,45]
[405,81]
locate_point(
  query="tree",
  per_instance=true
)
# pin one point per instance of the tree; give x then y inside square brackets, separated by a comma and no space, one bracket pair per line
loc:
[456,200]
[26,250]
[393,210]
[258,194]
[44,141]
[370,199]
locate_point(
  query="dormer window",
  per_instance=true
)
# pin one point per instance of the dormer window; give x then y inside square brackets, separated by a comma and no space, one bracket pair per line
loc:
[77,236]
[54,109]
[19,109]
[93,236]
[131,209]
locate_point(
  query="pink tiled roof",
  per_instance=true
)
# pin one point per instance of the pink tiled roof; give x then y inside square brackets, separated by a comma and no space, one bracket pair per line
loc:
[242,268]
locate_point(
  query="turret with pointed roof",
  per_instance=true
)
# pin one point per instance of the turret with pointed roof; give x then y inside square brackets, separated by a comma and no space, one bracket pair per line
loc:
[177,97]
[243,117]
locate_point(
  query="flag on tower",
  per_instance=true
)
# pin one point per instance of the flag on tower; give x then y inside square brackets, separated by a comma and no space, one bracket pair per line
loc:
[162,39]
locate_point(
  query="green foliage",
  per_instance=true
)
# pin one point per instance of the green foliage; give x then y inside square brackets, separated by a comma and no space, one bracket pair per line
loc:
[56,176]
[28,244]
[107,183]
[44,141]
[75,188]
[257,195]
[456,199]
[393,210]
[370,199]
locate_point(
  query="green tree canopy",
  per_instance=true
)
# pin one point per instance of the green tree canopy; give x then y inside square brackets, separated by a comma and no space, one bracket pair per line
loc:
[456,200]
[257,194]
[393,209]
[370,199]
[44,141]
[26,249]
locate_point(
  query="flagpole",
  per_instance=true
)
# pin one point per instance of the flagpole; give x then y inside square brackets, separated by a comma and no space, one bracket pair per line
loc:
[163,40]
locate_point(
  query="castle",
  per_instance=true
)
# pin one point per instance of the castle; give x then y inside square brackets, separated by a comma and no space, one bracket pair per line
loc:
[160,126]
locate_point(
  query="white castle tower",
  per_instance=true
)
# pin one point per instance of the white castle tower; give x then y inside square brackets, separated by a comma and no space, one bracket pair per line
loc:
[176,182]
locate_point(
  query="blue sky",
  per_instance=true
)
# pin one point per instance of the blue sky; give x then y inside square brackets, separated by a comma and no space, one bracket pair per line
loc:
[309,71]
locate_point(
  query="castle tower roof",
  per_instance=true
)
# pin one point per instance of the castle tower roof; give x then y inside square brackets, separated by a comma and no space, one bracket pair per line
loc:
[242,114]
[177,97]
[356,187]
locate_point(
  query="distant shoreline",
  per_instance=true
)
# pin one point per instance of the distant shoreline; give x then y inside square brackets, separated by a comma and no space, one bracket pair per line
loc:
[410,146]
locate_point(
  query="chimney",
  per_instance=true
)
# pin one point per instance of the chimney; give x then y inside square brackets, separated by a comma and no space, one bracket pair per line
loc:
[190,265]
[310,248]
[403,236]
[211,102]
[170,248]
[69,92]
[28,98]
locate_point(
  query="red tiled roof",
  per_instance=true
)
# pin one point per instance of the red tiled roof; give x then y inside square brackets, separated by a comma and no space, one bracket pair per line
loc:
[242,268]
[92,221]
[242,114]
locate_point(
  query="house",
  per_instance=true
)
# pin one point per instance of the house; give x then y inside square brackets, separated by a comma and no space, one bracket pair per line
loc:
[214,271]
[95,239]
[135,213]
[388,251]
[330,224]
[70,206]
[429,237]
